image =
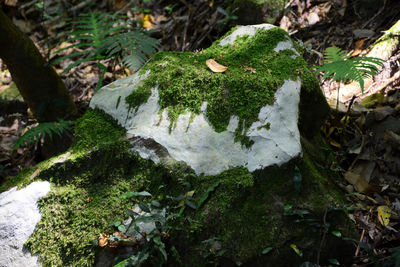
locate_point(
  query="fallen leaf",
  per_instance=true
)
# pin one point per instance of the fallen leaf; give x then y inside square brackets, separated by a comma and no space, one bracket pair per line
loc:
[148,22]
[357,180]
[298,251]
[359,47]
[215,66]
[189,194]
[250,69]
[384,213]
[103,240]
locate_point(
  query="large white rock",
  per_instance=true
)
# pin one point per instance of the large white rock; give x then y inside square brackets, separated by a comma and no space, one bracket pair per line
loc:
[19,215]
[198,145]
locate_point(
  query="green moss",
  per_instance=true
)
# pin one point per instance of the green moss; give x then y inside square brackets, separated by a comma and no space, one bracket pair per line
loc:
[138,97]
[86,187]
[96,128]
[75,214]
[254,73]
[30,174]
[245,212]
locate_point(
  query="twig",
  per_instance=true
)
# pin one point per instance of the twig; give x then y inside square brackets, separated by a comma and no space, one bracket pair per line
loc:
[349,108]
[358,245]
[362,237]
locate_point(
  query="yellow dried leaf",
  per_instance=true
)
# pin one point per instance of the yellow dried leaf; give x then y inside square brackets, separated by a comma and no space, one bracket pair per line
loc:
[384,213]
[215,66]
[148,22]
[189,194]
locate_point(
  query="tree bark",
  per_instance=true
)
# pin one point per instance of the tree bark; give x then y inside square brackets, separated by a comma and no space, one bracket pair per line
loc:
[39,84]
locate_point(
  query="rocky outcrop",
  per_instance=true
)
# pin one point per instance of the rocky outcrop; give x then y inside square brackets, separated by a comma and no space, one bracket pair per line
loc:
[19,215]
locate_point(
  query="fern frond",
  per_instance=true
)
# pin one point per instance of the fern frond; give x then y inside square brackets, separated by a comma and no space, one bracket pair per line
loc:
[98,38]
[334,54]
[133,47]
[41,130]
[92,30]
[342,68]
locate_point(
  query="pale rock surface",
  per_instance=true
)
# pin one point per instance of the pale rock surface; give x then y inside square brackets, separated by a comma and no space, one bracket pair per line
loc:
[19,215]
[198,145]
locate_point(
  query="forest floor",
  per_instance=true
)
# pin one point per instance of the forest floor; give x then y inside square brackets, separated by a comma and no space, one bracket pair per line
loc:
[364,130]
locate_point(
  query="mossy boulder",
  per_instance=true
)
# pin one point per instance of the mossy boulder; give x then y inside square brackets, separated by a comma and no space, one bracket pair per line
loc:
[213,121]
[256,217]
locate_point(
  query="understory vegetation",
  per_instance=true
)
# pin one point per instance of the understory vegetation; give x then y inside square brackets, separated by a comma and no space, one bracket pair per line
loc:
[336,204]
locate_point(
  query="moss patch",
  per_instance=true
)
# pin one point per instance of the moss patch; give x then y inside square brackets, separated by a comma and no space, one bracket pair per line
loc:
[254,73]
[86,187]
[244,212]
[248,216]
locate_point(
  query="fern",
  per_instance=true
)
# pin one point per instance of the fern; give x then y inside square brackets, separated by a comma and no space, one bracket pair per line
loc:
[100,39]
[41,130]
[343,68]
[132,47]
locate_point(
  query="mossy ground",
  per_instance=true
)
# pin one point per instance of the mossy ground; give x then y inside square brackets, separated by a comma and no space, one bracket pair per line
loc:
[255,72]
[244,212]
[248,216]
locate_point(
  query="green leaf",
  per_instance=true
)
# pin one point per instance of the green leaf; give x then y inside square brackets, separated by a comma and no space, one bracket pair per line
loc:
[297,179]
[190,205]
[334,261]
[146,219]
[123,263]
[267,250]
[122,228]
[132,213]
[337,234]
[144,207]
[298,251]
[155,204]
[342,68]
[136,194]
[287,208]
[207,193]
[41,130]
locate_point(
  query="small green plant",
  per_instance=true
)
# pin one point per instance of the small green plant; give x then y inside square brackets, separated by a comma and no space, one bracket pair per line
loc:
[343,68]
[40,131]
[153,244]
[100,36]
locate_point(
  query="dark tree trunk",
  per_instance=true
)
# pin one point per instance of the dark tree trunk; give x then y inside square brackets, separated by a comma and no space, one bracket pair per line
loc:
[39,84]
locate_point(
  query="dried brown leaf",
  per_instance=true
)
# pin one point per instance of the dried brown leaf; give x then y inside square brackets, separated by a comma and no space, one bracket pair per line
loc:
[215,66]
